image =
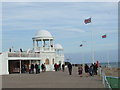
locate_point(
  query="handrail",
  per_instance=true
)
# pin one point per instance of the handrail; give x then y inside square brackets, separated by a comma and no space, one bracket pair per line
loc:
[105,81]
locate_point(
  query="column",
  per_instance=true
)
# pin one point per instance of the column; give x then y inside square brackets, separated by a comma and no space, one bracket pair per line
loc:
[33,43]
[29,64]
[20,66]
[42,44]
[37,43]
[49,45]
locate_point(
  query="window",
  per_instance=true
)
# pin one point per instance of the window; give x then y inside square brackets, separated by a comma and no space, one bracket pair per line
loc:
[47,61]
[53,61]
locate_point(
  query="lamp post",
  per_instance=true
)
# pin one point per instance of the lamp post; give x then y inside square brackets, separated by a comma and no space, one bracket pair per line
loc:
[82,54]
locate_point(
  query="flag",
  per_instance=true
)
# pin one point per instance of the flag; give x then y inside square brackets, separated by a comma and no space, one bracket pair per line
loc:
[81,45]
[104,36]
[87,20]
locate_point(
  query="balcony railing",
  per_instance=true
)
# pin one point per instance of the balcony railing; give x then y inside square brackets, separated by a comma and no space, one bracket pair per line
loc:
[38,49]
[23,54]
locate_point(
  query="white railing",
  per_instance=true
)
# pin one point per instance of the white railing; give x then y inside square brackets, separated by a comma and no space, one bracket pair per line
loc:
[38,49]
[104,80]
[23,54]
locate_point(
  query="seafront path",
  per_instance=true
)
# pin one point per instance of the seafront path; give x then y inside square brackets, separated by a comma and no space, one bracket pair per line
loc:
[51,80]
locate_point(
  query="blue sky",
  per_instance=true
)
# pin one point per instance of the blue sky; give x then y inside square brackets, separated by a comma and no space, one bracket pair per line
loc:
[65,21]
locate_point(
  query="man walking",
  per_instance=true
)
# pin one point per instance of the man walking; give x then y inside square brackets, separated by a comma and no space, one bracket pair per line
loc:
[63,67]
[70,68]
[36,67]
[32,68]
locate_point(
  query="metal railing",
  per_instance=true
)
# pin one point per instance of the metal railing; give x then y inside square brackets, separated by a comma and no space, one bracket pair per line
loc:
[104,80]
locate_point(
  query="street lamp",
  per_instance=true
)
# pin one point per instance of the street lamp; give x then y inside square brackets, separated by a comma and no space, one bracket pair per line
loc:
[81,45]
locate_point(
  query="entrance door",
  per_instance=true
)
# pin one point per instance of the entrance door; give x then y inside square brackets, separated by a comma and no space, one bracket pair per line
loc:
[14,66]
[24,66]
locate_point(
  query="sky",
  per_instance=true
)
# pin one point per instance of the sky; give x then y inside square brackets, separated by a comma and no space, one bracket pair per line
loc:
[65,21]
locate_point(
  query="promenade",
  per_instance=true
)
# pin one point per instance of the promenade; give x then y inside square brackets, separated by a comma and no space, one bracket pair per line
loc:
[51,80]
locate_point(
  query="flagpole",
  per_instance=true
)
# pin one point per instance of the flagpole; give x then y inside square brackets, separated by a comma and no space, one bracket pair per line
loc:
[83,56]
[108,58]
[92,46]
[92,42]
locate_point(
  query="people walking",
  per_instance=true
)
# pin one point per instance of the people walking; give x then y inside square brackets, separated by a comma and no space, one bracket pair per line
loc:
[32,68]
[87,70]
[80,70]
[21,50]
[59,66]
[10,50]
[55,67]
[70,68]
[36,68]
[91,70]
[63,67]
[95,69]
[42,67]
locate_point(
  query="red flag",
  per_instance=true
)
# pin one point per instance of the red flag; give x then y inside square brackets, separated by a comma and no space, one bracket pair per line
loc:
[87,20]
[104,36]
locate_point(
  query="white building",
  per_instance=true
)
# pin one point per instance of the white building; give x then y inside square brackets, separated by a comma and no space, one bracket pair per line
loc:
[44,52]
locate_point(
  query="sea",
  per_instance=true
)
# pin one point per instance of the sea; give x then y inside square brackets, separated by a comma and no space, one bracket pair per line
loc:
[111,64]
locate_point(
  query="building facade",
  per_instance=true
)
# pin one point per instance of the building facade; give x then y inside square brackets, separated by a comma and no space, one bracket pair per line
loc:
[44,52]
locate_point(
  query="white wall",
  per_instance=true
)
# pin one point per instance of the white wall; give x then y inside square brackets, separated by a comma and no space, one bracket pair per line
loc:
[50,56]
[5,63]
[1,64]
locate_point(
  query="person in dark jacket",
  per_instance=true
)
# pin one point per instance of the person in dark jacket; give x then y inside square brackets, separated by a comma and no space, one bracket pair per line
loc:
[63,67]
[32,68]
[36,68]
[39,68]
[91,70]
[70,68]
[55,67]
[42,67]
[86,69]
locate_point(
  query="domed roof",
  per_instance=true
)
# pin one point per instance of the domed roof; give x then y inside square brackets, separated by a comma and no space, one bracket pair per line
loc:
[58,46]
[43,34]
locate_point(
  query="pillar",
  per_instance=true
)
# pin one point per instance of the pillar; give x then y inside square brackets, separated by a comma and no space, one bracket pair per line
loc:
[49,45]
[33,43]
[37,43]
[20,66]
[42,42]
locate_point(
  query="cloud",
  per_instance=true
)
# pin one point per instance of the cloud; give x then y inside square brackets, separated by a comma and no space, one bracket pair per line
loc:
[75,30]
[64,20]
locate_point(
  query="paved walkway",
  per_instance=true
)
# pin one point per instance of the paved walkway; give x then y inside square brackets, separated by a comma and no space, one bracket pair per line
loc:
[51,80]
